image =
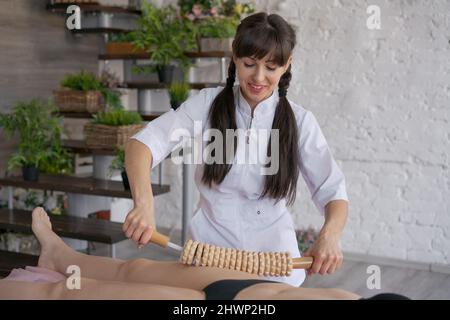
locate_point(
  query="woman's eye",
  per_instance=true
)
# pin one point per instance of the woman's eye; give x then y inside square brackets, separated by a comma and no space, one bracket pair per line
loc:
[251,65]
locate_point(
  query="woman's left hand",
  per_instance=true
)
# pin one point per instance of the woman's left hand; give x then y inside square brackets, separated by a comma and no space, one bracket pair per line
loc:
[327,255]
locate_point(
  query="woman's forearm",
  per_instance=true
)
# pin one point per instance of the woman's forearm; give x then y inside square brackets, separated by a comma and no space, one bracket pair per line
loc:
[336,212]
[138,164]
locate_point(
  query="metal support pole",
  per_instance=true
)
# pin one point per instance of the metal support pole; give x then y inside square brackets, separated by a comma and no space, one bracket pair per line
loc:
[113,251]
[188,170]
[10,198]
[223,69]
[160,173]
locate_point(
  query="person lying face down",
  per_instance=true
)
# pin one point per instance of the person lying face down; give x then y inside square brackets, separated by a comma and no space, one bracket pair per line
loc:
[107,278]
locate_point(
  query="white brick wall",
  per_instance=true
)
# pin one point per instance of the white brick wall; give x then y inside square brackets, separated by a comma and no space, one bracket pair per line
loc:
[382,100]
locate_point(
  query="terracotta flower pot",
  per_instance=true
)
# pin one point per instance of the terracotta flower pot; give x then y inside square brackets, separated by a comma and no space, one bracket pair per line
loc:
[122,48]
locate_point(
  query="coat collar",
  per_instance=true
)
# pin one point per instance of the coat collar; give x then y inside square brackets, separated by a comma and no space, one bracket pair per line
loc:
[264,108]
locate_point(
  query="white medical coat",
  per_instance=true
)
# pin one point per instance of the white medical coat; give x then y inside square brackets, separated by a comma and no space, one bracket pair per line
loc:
[230,214]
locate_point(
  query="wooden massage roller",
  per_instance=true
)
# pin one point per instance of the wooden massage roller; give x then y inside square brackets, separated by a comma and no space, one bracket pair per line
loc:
[197,254]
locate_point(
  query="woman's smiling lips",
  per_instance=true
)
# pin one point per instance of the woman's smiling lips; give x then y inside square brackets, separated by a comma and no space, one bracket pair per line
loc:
[256,88]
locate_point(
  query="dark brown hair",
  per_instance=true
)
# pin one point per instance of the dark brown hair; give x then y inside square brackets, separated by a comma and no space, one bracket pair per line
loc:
[256,36]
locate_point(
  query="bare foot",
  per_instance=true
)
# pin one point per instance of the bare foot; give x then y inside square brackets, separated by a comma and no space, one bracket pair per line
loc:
[50,243]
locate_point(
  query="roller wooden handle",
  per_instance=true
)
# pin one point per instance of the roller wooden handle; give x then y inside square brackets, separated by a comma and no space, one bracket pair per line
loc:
[159,239]
[302,263]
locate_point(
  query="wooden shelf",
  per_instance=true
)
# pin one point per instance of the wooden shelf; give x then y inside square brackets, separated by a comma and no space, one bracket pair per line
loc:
[86,115]
[13,260]
[89,186]
[79,146]
[97,230]
[91,7]
[137,56]
[158,85]
[99,30]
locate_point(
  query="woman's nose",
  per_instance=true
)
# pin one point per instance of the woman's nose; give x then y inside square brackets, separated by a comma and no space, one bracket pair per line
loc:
[259,75]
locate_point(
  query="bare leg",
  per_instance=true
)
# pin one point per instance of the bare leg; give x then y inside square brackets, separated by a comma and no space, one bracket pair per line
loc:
[56,255]
[270,291]
[93,289]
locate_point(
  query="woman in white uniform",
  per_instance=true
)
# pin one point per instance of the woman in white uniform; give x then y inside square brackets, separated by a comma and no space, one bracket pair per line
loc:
[240,206]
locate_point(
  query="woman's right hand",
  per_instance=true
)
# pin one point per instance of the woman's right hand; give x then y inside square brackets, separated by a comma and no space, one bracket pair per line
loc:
[140,224]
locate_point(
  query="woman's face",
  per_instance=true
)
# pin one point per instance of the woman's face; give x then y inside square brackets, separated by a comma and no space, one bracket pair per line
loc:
[258,78]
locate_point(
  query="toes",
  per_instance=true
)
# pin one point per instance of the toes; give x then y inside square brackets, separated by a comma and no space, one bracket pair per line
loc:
[38,210]
[40,213]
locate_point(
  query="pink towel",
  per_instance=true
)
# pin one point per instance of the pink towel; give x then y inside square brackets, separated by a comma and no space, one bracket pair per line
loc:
[35,274]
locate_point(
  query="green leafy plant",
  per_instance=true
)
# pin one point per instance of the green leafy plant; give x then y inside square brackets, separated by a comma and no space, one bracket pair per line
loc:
[82,81]
[118,162]
[166,35]
[39,137]
[59,160]
[179,91]
[213,27]
[32,200]
[87,81]
[187,6]
[232,9]
[117,117]
[123,37]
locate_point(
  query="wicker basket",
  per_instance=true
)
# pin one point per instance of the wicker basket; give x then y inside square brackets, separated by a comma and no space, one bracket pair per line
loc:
[103,136]
[69,100]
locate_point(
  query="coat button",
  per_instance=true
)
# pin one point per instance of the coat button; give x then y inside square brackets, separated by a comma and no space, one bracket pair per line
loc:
[258,212]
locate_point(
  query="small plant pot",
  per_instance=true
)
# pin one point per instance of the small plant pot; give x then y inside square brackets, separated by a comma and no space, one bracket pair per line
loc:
[126,183]
[103,214]
[175,104]
[30,173]
[165,73]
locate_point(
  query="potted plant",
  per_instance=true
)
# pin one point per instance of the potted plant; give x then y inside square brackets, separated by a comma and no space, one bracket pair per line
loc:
[85,92]
[216,21]
[216,34]
[178,93]
[118,163]
[122,44]
[39,139]
[167,36]
[111,128]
